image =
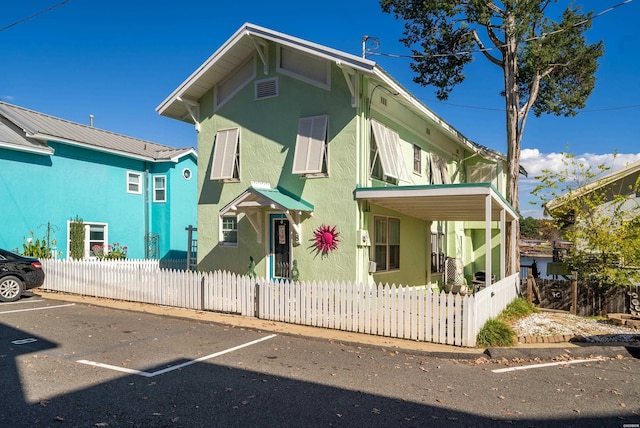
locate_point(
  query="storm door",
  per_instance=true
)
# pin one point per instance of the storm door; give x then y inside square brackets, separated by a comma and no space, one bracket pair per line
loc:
[280,247]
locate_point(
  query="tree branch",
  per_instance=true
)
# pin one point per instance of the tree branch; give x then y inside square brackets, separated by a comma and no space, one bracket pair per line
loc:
[487,55]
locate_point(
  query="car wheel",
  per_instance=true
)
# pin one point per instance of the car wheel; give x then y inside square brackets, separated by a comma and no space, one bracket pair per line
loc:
[10,289]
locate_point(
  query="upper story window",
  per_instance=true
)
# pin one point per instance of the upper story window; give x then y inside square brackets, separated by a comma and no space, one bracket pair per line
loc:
[387,162]
[160,188]
[417,159]
[311,151]
[439,170]
[134,182]
[236,80]
[225,162]
[307,68]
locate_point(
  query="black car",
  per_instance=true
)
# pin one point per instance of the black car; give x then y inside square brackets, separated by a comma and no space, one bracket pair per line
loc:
[17,274]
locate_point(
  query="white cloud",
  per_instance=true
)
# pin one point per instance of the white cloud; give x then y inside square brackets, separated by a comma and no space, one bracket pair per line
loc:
[534,162]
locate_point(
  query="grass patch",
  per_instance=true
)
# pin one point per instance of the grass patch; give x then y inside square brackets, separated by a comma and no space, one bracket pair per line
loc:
[497,332]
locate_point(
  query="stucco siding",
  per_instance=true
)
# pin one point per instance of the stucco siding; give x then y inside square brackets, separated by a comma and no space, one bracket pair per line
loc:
[268,130]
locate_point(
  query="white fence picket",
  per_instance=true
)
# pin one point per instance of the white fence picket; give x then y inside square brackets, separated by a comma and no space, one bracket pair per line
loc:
[386,310]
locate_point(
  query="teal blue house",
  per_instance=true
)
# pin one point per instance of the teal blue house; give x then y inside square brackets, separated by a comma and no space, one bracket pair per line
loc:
[138,194]
[318,165]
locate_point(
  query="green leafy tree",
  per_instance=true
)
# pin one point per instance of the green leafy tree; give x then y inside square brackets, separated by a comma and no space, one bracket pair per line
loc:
[546,64]
[528,227]
[600,215]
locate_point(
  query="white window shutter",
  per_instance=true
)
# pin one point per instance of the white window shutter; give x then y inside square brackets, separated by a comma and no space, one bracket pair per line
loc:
[380,133]
[310,145]
[224,154]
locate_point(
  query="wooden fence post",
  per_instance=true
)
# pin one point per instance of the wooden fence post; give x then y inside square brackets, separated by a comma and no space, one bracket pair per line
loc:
[574,293]
[529,286]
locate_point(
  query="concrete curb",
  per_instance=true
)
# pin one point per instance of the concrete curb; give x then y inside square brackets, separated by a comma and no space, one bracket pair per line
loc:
[613,350]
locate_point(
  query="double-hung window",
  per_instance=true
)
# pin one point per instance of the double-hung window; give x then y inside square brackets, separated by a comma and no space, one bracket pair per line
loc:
[386,243]
[387,161]
[134,182]
[311,153]
[160,188]
[229,230]
[225,162]
[417,159]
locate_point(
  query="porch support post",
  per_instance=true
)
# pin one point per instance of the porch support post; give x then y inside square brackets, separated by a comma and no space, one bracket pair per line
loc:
[487,237]
[514,244]
[503,242]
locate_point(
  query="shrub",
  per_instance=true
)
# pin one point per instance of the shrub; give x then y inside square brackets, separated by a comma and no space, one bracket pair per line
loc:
[76,236]
[496,332]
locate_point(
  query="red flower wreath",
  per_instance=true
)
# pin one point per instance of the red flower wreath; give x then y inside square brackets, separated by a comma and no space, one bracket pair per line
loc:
[326,239]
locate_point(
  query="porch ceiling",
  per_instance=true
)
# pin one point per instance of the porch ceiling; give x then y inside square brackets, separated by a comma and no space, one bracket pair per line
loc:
[446,202]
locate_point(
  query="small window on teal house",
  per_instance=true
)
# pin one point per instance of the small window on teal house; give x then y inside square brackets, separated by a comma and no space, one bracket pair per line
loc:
[134,182]
[229,230]
[386,243]
[160,188]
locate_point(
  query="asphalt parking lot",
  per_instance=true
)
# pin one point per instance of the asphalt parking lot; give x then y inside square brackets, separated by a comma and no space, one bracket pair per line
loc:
[67,363]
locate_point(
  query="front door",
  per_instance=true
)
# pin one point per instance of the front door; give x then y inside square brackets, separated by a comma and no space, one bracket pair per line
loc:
[280,247]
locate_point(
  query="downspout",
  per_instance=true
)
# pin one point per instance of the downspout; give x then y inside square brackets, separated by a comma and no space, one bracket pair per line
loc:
[145,190]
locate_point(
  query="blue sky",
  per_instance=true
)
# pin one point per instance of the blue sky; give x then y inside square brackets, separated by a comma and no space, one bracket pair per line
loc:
[118,59]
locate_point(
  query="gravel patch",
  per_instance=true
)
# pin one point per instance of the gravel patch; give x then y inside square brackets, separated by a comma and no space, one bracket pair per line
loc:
[589,329]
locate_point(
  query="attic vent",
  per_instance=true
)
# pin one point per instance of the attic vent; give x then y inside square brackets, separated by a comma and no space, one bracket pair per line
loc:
[383,101]
[266,88]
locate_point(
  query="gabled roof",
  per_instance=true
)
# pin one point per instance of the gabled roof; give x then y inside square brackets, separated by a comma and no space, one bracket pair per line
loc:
[606,180]
[28,130]
[250,38]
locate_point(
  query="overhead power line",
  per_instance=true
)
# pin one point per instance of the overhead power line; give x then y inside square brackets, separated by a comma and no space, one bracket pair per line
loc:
[561,30]
[502,110]
[34,15]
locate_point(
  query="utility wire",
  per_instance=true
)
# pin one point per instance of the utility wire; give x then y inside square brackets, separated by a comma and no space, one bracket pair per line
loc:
[502,110]
[34,15]
[561,30]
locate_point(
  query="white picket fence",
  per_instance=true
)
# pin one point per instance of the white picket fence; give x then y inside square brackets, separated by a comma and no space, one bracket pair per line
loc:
[414,313]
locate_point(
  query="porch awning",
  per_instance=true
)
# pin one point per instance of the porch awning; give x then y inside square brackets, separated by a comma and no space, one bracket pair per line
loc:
[442,202]
[451,202]
[252,201]
[254,198]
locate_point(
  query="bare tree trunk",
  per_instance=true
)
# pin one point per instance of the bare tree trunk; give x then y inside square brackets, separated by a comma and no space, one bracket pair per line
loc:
[512,100]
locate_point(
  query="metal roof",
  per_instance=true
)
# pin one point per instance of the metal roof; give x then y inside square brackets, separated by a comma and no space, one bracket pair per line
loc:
[27,129]
[442,202]
[255,197]
[606,180]
[244,42]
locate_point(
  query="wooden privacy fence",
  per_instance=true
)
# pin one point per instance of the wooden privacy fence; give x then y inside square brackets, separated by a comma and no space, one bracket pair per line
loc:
[414,313]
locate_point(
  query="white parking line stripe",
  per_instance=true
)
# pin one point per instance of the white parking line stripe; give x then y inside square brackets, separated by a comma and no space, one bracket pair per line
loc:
[172,368]
[22,301]
[535,366]
[37,309]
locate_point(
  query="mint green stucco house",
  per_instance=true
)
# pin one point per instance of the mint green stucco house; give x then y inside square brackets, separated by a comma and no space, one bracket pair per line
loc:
[294,136]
